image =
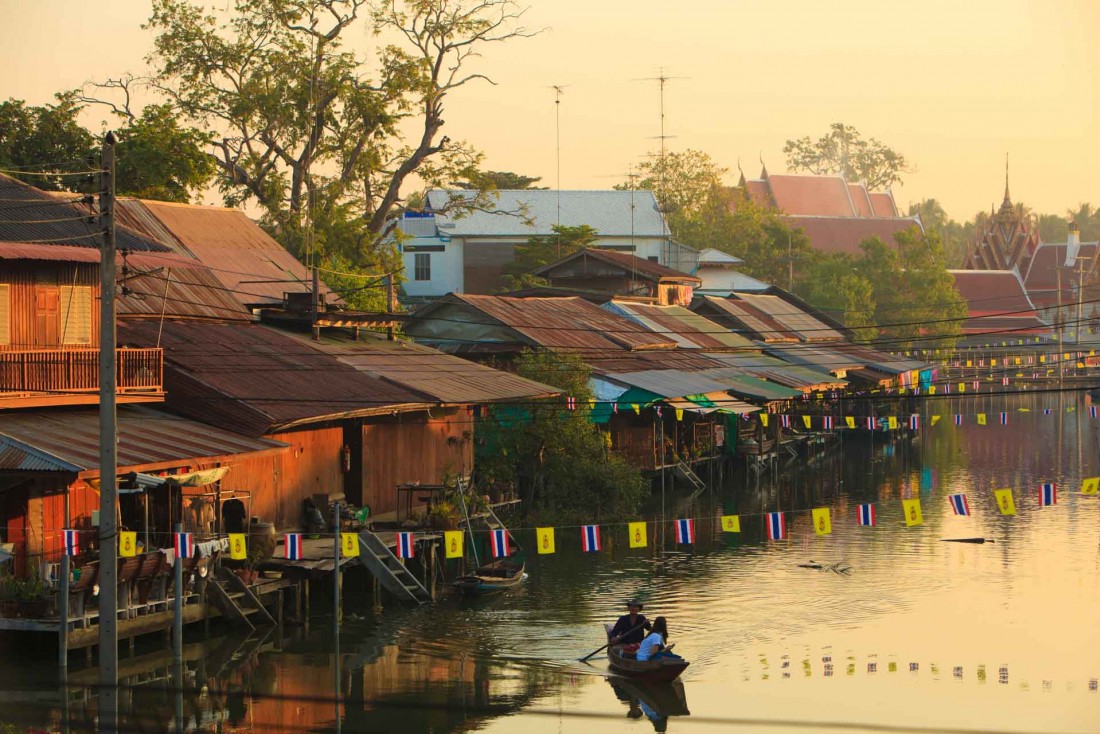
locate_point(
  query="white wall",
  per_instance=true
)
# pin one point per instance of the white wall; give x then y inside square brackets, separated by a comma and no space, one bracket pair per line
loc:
[446,267]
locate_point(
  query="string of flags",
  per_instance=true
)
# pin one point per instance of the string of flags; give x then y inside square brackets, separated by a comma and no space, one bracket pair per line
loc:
[893,423]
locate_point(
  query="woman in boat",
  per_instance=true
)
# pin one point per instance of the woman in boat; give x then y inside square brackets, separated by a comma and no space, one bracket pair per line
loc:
[654,645]
[630,628]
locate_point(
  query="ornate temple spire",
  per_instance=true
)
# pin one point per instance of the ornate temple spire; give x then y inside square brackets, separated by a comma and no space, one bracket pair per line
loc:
[1007,210]
[763,168]
[1008,199]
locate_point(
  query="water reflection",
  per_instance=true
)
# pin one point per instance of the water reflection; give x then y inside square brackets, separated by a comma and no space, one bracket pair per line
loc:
[653,701]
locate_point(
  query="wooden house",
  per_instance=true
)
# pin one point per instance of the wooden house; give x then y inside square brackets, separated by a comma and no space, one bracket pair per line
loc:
[623,274]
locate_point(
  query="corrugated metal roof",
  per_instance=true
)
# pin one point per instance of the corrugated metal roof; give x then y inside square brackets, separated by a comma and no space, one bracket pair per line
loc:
[741,383]
[770,368]
[673,384]
[755,322]
[790,316]
[637,266]
[892,364]
[827,360]
[68,440]
[242,256]
[28,214]
[553,323]
[254,379]
[446,378]
[689,330]
[611,213]
[688,361]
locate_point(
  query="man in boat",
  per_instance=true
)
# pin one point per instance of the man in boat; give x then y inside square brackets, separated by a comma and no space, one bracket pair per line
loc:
[630,629]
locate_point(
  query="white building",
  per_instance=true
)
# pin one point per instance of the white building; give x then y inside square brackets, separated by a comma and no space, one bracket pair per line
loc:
[466,252]
[718,271]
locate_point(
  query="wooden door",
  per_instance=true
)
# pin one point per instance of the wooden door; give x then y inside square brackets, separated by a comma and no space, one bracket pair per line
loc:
[47,316]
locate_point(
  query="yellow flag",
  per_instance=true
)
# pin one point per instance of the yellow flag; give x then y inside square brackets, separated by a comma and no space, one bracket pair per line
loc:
[349,545]
[969,363]
[822,524]
[992,363]
[546,540]
[1005,502]
[850,420]
[731,523]
[637,535]
[931,389]
[1042,359]
[238,547]
[962,387]
[637,408]
[1017,360]
[127,543]
[913,515]
[453,543]
[892,422]
[679,414]
[935,419]
[806,421]
[764,419]
[981,419]
[1090,485]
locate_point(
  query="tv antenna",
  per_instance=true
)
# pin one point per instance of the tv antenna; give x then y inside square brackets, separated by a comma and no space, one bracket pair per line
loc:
[559,90]
[662,79]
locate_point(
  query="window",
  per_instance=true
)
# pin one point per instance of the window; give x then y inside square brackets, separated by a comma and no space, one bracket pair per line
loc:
[5,313]
[76,314]
[653,258]
[422,266]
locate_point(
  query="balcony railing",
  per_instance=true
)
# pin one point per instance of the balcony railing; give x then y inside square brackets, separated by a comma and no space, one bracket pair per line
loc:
[71,376]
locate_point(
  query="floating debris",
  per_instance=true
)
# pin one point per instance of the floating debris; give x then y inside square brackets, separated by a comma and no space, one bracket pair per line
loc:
[840,567]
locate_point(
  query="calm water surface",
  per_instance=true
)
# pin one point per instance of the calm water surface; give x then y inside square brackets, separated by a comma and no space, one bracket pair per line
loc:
[920,635]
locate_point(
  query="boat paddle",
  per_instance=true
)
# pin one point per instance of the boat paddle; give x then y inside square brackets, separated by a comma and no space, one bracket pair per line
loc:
[624,634]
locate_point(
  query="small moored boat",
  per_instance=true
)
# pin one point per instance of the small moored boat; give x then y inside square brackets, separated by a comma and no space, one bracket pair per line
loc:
[492,577]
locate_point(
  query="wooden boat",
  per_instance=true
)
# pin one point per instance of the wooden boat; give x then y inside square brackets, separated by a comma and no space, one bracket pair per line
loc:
[655,670]
[492,577]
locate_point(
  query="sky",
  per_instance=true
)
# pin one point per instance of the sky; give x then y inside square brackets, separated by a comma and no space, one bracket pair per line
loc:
[954,86]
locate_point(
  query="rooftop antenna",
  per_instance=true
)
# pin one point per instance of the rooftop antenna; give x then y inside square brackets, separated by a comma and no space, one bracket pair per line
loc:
[558,92]
[631,178]
[661,80]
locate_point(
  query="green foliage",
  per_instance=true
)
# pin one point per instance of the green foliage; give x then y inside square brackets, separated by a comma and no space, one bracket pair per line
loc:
[542,250]
[835,286]
[561,461]
[844,151]
[46,139]
[954,236]
[156,158]
[500,180]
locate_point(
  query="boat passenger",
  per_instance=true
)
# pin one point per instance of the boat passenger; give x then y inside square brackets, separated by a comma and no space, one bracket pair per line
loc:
[654,645]
[630,628]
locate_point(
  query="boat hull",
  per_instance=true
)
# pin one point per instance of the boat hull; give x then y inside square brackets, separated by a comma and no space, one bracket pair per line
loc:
[490,579]
[656,670]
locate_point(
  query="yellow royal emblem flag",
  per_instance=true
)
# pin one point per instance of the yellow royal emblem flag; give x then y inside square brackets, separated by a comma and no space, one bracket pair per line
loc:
[546,540]
[892,421]
[127,544]
[453,543]
[731,523]
[822,524]
[1090,485]
[679,414]
[764,419]
[962,387]
[913,514]
[349,545]
[238,547]
[981,419]
[850,420]
[806,421]
[1005,503]
[935,419]
[931,389]
[637,535]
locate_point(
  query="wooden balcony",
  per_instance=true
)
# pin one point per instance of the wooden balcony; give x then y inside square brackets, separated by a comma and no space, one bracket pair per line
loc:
[44,377]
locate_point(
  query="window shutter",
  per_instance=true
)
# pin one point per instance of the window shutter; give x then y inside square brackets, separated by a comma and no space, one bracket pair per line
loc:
[5,313]
[76,315]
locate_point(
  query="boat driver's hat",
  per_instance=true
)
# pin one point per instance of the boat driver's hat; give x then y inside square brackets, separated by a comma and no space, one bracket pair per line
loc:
[634,603]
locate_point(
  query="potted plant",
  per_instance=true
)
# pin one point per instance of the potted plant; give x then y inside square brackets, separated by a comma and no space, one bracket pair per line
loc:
[443,515]
[9,604]
[31,595]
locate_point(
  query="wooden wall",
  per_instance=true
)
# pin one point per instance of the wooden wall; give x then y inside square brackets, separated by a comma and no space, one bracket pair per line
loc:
[25,279]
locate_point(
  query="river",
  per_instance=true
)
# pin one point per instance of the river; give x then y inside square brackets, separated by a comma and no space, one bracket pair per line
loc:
[919,634]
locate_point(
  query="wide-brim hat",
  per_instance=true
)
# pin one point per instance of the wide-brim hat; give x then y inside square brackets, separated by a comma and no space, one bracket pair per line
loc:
[634,603]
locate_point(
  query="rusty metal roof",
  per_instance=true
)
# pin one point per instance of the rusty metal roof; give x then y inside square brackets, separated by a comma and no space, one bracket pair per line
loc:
[745,316]
[256,268]
[776,370]
[253,379]
[688,361]
[689,330]
[637,266]
[553,323]
[31,215]
[68,441]
[446,378]
[790,316]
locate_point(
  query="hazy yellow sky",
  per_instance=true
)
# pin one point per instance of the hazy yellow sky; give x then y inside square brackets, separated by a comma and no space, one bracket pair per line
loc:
[952,85]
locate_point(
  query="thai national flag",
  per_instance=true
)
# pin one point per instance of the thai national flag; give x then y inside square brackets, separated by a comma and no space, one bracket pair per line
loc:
[571,403]
[184,545]
[976,385]
[685,532]
[71,538]
[914,422]
[959,504]
[498,539]
[405,546]
[1092,411]
[1004,381]
[785,421]
[827,422]
[292,546]
[870,423]
[1048,494]
[958,419]
[1046,411]
[867,515]
[947,389]
[1004,419]
[777,526]
[590,538]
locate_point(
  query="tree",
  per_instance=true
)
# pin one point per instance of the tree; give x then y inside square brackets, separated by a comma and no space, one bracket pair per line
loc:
[158,159]
[561,461]
[499,180]
[302,125]
[47,140]
[835,285]
[542,250]
[954,236]
[843,151]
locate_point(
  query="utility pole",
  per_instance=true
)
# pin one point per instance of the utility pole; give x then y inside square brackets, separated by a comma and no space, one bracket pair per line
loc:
[557,147]
[314,305]
[108,449]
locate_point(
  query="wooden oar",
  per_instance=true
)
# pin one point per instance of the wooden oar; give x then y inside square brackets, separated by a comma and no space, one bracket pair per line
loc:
[624,634]
[967,540]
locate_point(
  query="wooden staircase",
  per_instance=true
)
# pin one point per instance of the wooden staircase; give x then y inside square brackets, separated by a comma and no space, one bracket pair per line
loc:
[389,570]
[684,471]
[236,601]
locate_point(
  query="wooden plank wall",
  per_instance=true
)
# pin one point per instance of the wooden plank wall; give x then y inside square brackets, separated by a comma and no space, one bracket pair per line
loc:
[23,309]
[413,447]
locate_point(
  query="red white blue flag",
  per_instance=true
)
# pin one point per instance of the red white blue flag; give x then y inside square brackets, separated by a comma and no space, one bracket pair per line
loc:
[571,403]
[1048,494]
[827,423]
[1004,381]
[958,419]
[976,385]
[292,546]
[959,504]
[1046,411]
[498,540]
[867,515]
[777,526]
[1004,419]
[405,546]
[590,538]
[947,388]
[184,545]
[71,538]
[685,532]
[785,421]
[1092,411]
[914,422]
[870,423]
